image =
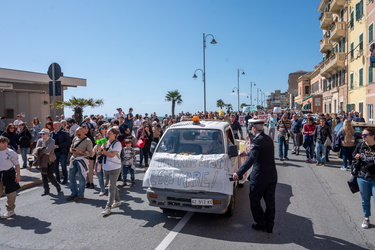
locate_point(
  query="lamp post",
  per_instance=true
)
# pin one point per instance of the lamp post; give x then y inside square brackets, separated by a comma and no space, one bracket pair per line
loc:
[251,92]
[204,66]
[238,86]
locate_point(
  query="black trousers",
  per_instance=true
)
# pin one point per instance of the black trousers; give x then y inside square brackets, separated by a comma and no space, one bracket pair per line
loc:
[267,192]
[49,177]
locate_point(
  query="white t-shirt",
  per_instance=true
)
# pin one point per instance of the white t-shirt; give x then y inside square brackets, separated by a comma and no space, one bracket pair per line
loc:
[112,163]
[8,159]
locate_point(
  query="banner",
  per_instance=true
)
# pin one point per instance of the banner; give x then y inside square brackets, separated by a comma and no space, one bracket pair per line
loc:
[208,173]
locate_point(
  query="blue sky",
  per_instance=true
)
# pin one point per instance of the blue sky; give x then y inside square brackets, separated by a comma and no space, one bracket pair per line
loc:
[133,52]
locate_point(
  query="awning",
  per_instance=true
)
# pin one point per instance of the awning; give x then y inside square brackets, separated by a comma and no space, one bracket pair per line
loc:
[306,98]
[307,106]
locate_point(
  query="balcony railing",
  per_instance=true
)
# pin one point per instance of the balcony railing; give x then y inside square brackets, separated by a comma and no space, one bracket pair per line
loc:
[336,5]
[325,45]
[326,20]
[338,31]
[333,63]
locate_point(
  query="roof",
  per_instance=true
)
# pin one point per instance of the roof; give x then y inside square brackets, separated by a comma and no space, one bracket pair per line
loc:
[203,125]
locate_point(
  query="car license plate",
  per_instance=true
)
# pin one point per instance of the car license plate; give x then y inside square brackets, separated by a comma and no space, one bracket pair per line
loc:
[201,202]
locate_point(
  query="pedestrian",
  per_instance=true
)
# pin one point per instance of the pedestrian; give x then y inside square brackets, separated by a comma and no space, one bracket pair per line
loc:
[128,162]
[272,121]
[80,148]
[129,119]
[236,127]
[37,127]
[308,134]
[119,113]
[347,144]
[24,142]
[263,178]
[156,131]
[322,134]
[18,121]
[297,134]
[62,144]
[98,169]
[283,128]
[44,152]
[138,136]
[364,169]
[90,173]
[11,134]
[148,136]
[10,176]
[112,168]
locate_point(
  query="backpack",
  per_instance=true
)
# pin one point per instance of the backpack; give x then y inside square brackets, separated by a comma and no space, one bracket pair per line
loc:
[337,143]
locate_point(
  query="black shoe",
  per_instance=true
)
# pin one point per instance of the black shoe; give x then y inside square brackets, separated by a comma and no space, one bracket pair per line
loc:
[64,182]
[70,198]
[58,181]
[45,193]
[87,184]
[281,159]
[58,188]
[286,158]
[327,160]
[297,153]
[293,153]
[92,185]
[258,227]
[269,230]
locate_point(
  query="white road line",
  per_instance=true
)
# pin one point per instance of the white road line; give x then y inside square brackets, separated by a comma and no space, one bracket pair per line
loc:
[169,238]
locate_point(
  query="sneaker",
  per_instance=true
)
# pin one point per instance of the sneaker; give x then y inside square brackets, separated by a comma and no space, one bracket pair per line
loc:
[106,211]
[317,163]
[307,160]
[133,183]
[116,204]
[322,164]
[311,161]
[343,168]
[124,184]
[293,152]
[286,158]
[366,223]
[281,159]
[101,193]
[11,213]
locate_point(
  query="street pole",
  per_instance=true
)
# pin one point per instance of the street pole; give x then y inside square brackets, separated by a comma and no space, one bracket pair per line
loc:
[204,66]
[238,86]
[54,91]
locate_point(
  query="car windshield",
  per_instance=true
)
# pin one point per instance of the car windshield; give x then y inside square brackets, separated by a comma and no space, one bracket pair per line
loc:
[192,141]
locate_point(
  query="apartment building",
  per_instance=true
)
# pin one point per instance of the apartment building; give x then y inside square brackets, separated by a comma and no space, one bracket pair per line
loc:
[278,99]
[370,86]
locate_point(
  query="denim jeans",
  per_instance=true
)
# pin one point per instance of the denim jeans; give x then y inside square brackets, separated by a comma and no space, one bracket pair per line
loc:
[347,155]
[140,156]
[24,152]
[100,176]
[320,152]
[125,169]
[283,144]
[74,175]
[113,192]
[366,188]
[61,159]
[309,143]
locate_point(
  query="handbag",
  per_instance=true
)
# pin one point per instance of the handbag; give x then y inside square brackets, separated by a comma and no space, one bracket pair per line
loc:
[353,184]
[141,143]
[328,142]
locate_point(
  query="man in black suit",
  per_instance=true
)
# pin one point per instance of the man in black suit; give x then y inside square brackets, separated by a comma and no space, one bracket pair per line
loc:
[62,144]
[263,178]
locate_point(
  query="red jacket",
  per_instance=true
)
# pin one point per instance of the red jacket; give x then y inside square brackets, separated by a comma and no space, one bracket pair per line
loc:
[309,130]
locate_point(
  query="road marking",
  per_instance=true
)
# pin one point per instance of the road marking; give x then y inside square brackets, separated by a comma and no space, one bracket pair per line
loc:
[21,192]
[169,238]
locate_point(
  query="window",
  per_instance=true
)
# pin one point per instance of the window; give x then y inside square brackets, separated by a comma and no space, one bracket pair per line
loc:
[359,10]
[370,113]
[307,90]
[351,22]
[343,77]
[351,80]
[371,33]
[360,77]
[370,75]
[9,113]
[342,15]
[361,41]
[351,51]
[360,107]
[342,44]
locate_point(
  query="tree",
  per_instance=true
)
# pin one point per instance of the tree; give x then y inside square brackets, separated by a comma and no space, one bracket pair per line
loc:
[78,104]
[174,97]
[244,105]
[220,104]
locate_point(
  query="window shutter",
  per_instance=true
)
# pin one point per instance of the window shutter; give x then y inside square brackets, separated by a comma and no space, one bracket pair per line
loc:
[370,75]
[370,33]
[361,77]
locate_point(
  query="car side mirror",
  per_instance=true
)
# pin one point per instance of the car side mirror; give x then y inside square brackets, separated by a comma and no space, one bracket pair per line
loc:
[233,151]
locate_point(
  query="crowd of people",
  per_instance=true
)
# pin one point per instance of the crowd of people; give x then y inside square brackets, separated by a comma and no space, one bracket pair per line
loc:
[66,152]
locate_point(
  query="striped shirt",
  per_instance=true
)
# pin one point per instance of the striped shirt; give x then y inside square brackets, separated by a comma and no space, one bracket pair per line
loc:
[283,126]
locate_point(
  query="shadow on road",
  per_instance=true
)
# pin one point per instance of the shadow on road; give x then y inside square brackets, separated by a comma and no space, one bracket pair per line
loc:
[289,228]
[28,223]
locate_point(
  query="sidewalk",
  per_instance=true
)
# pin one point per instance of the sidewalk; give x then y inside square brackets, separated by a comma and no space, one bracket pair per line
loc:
[29,178]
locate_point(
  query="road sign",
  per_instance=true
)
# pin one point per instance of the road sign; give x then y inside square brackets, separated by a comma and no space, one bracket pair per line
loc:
[54,71]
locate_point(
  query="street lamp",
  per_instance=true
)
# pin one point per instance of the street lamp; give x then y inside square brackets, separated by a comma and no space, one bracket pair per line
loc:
[251,92]
[238,86]
[204,66]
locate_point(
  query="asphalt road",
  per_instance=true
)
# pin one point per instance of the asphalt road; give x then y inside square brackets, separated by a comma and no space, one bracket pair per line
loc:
[315,210]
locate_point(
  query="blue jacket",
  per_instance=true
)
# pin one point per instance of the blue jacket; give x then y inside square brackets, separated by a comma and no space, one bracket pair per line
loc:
[62,139]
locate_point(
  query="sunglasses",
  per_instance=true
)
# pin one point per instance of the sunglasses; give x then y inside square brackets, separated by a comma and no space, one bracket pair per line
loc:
[101,128]
[365,135]
[78,134]
[42,134]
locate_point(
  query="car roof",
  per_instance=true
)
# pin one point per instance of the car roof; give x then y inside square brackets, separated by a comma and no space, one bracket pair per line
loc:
[362,124]
[202,125]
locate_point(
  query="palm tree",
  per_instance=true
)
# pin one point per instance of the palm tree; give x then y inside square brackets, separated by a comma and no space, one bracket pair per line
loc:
[78,104]
[174,97]
[229,107]
[220,103]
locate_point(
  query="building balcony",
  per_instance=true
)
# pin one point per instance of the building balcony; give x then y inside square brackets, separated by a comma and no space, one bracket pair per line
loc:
[325,45]
[333,64]
[337,5]
[338,31]
[326,20]
[322,5]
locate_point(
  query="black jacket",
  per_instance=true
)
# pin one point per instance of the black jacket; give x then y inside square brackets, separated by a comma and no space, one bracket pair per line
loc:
[62,139]
[364,167]
[13,140]
[24,138]
[261,157]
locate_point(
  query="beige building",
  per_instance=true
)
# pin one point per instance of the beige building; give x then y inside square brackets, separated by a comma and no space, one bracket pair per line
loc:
[27,93]
[278,99]
[293,86]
